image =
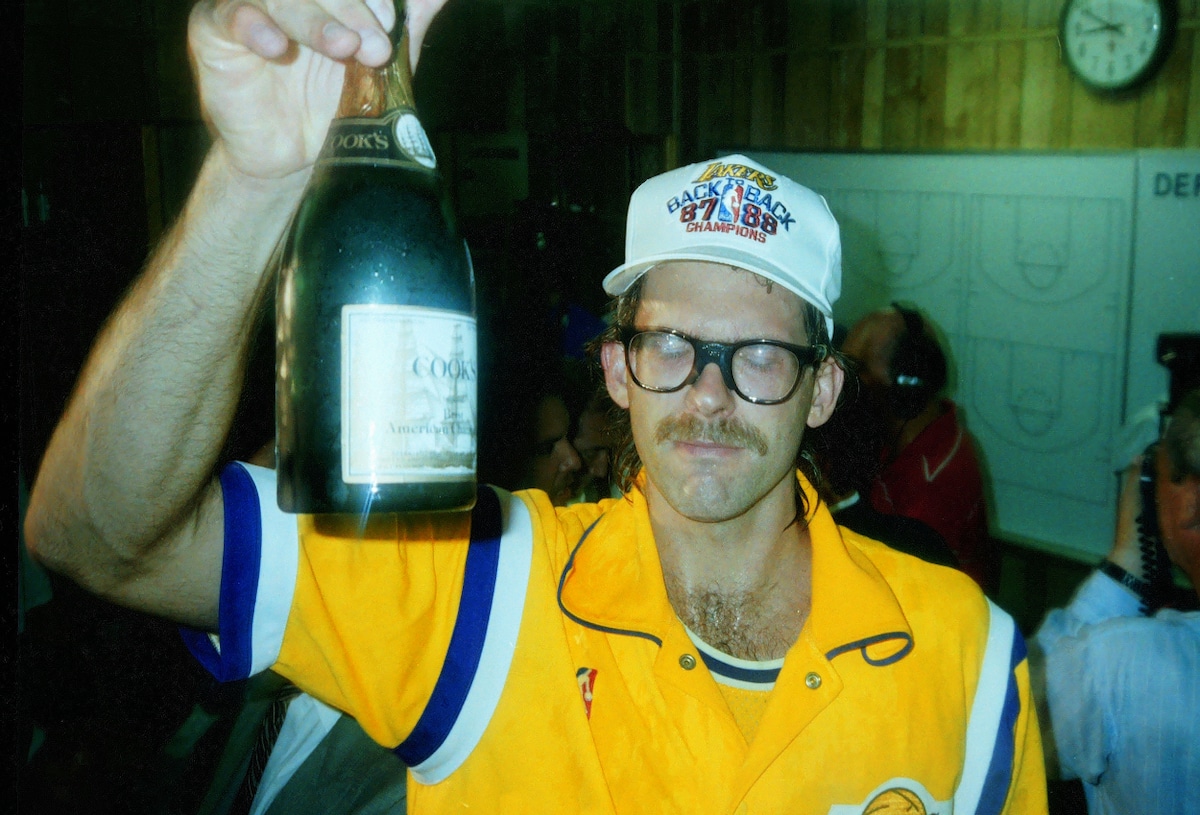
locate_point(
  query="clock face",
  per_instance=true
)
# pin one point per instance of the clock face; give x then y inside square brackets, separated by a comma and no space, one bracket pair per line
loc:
[1113,44]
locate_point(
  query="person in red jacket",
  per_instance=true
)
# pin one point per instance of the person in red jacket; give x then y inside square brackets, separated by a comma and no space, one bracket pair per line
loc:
[931,470]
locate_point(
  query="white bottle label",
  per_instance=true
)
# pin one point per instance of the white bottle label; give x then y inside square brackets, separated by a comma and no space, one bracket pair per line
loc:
[409,381]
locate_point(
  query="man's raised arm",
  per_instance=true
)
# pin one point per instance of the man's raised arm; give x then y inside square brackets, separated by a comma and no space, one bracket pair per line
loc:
[125,501]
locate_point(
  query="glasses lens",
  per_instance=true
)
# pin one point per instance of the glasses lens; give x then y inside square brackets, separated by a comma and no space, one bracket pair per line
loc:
[660,360]
[763,371]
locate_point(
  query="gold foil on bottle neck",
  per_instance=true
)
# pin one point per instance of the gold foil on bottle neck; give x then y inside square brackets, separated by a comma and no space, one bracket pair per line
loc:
[369,93]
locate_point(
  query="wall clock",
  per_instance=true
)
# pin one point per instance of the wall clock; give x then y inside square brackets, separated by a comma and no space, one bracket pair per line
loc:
[1116,45]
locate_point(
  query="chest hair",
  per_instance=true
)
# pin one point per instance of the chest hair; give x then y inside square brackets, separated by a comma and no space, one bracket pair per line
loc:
[757,624]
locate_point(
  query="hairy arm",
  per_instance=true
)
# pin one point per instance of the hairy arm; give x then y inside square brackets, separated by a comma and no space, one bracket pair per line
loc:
[126,502]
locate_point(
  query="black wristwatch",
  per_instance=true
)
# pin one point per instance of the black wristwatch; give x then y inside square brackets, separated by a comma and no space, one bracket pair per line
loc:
[1139,587]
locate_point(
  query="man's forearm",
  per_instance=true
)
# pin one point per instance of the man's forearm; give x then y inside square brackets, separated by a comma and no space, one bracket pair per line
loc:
[131,462]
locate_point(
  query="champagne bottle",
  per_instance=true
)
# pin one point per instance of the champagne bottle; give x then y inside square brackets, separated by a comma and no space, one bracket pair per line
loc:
[376,368]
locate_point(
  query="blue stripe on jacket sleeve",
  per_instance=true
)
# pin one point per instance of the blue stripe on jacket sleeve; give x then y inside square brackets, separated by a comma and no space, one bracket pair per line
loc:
[466,642]
[999,774]
[240,566]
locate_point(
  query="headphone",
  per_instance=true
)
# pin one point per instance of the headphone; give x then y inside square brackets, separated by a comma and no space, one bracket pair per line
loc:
[918,367]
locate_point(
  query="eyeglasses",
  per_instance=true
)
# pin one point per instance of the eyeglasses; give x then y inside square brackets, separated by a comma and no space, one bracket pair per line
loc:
[764,372]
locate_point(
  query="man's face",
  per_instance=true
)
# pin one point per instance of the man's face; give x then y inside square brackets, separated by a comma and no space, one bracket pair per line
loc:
[555,465]
[871,342]
[593,443]
[709,453]
[1178,515]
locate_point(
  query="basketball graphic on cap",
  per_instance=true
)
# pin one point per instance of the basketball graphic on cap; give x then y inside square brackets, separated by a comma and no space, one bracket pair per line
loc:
[895,801]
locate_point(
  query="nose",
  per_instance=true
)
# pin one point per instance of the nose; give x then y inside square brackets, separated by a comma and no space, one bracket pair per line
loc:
[568,457]
[709,393]
[598,468]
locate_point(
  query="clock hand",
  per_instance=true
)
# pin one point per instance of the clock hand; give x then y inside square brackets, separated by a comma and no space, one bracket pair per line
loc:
[1105,25]
[1098,18]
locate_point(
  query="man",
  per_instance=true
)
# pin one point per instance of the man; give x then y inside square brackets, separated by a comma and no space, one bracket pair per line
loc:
[525,433]
[592,436]
[593,442]
[1122,701]
[931,471]
[708,642]
[556,464]
[847,450]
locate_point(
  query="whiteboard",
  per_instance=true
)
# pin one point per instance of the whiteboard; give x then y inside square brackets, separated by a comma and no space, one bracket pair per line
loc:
[1049,292]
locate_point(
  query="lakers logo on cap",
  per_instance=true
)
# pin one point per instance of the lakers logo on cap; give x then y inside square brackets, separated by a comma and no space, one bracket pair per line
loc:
[720,169]
[733,199]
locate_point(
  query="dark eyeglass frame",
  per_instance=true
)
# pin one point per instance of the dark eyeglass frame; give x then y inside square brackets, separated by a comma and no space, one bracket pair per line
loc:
[721,353]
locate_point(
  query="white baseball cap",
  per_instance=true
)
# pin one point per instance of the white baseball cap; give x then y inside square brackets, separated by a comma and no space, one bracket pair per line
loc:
[734,211]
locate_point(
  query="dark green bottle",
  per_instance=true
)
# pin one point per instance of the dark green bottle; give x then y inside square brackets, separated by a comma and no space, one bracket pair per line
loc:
[376,368]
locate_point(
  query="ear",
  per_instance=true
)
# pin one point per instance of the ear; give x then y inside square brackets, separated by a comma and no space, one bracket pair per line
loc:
[827,386]
[616,375]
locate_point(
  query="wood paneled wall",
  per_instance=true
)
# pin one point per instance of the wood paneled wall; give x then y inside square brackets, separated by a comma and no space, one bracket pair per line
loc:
[890,75]
[785,74]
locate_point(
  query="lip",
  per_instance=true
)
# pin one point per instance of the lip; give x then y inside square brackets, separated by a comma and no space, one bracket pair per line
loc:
[706,448]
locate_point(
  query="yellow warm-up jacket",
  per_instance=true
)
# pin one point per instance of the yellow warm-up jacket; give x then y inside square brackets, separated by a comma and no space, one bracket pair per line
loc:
[526,659]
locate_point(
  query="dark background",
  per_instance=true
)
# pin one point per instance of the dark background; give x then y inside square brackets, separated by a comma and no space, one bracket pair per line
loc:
[545,115]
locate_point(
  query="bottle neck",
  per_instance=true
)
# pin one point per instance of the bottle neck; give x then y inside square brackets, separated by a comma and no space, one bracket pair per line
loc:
[372,92]
[376,122]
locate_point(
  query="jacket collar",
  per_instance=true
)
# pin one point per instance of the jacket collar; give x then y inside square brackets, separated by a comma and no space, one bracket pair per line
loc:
[613,582]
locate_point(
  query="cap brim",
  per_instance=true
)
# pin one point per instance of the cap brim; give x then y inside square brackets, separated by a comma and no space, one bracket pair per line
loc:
[618,281]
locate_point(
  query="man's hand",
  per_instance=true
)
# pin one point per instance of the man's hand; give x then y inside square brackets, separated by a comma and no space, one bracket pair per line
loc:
[125,501]
[270,71]
[1125,552]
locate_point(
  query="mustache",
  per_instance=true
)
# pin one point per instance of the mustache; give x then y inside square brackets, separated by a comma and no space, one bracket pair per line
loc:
[724,431]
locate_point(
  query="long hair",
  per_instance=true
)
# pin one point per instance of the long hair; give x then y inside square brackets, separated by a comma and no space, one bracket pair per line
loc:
[627,463]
